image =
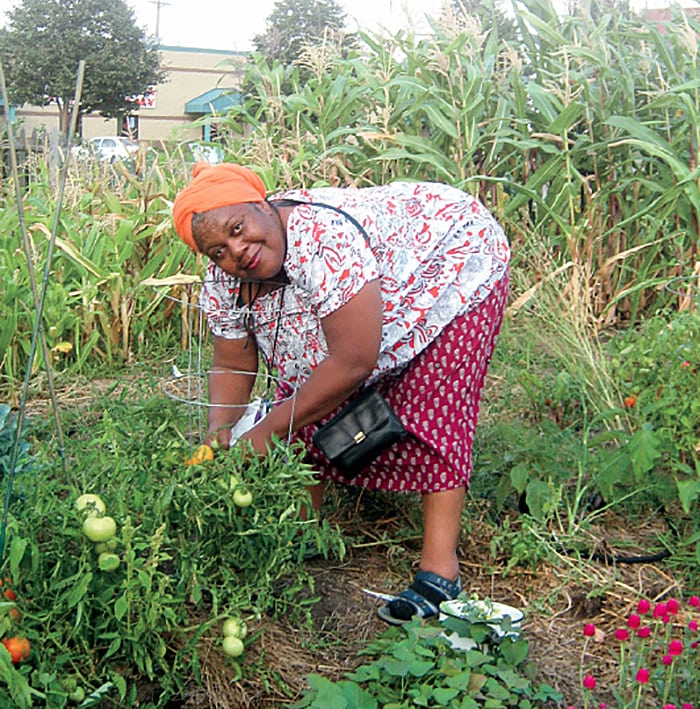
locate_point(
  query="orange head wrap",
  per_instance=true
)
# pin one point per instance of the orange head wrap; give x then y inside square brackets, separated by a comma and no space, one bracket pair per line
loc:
[214,186]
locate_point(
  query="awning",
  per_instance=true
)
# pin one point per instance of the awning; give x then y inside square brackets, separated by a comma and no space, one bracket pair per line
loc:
[213,101]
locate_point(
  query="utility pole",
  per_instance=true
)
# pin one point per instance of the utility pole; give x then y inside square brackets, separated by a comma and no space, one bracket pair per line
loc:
[158,4]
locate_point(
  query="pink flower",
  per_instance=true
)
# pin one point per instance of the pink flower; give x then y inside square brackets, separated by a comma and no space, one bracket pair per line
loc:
[660,610]
[685,364]
[675,648]
[669,706]
[642,675]
[665,619]
[589,682]
[672,606]
[694,644]
[643,606]
[644,632]
[602,705]
[667,660]
[622,635]
[589,630]
[633,621]
[694,601]
[693,625]
[687,705]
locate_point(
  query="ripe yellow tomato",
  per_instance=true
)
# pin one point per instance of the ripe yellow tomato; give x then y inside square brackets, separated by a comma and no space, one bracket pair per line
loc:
[204,452]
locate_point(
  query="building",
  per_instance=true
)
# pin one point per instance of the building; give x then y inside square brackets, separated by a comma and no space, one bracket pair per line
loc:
[199,82]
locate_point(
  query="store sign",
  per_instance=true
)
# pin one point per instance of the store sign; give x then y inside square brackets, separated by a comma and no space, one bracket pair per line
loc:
[146,100]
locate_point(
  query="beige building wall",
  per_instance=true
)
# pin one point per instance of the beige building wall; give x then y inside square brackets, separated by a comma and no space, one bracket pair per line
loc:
[161,116]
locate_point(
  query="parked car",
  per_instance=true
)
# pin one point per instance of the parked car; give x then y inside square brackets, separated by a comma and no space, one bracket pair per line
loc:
[108,148]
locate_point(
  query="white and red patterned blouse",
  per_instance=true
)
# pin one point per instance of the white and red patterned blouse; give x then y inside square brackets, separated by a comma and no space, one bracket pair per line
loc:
[436,250]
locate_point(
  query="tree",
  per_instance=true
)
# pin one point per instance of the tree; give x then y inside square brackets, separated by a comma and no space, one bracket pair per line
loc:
[492,17]
[45,40]
[294,24]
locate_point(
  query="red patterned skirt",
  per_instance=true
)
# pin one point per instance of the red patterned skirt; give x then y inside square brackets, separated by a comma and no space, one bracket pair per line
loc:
[437,398]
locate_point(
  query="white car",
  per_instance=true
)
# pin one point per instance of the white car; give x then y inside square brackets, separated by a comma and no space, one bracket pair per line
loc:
[108,148]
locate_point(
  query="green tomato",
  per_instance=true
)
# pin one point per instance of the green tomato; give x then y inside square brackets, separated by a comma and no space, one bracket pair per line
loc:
[235,627]
[77,695]
[108,561]
[232,646]
[99,529]
[242,498]
[69,684]
[109,545]
[228,482]
[90,504]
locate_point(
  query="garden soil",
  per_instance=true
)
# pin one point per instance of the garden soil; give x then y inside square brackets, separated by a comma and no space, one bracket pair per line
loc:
[558,599]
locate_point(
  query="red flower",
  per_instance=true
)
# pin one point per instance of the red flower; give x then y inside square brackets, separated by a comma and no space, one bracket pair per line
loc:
[687,705]
[589,682]
[672,606]
[670,706]
[695,601]
[630,401]
[622,635]
[675,648]
[633,621]
[667,660]
[693,625]
[660,610]
[602,705]
[685,364]
[642,675]
[643,606]
[644,632]
[589,630]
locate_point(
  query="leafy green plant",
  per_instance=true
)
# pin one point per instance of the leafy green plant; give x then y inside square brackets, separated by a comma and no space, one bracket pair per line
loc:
[414,665]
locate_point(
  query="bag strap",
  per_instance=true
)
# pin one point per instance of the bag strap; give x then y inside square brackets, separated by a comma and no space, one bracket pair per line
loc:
[349,217]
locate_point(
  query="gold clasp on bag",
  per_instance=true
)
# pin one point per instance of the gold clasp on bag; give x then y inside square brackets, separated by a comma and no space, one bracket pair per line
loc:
[359,437]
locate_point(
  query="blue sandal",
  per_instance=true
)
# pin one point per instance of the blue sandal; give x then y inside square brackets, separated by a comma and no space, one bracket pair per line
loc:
[421,599]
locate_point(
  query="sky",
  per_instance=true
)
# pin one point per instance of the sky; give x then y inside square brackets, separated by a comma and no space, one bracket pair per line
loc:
[232,24]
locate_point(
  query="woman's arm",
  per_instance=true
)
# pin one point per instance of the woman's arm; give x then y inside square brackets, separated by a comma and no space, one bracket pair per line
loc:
[353,335]
[231,381]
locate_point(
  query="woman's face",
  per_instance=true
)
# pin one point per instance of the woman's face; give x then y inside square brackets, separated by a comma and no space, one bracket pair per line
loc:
[246,240]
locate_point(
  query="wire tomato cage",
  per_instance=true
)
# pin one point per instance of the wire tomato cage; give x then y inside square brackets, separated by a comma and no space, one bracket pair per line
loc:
[190,380]
[687,290]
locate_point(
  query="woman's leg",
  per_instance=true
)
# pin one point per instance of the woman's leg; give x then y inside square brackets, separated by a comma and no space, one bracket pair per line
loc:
[316,491]
[442,516]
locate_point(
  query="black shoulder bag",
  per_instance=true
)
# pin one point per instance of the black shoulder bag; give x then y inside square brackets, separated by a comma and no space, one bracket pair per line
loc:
[367,426]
